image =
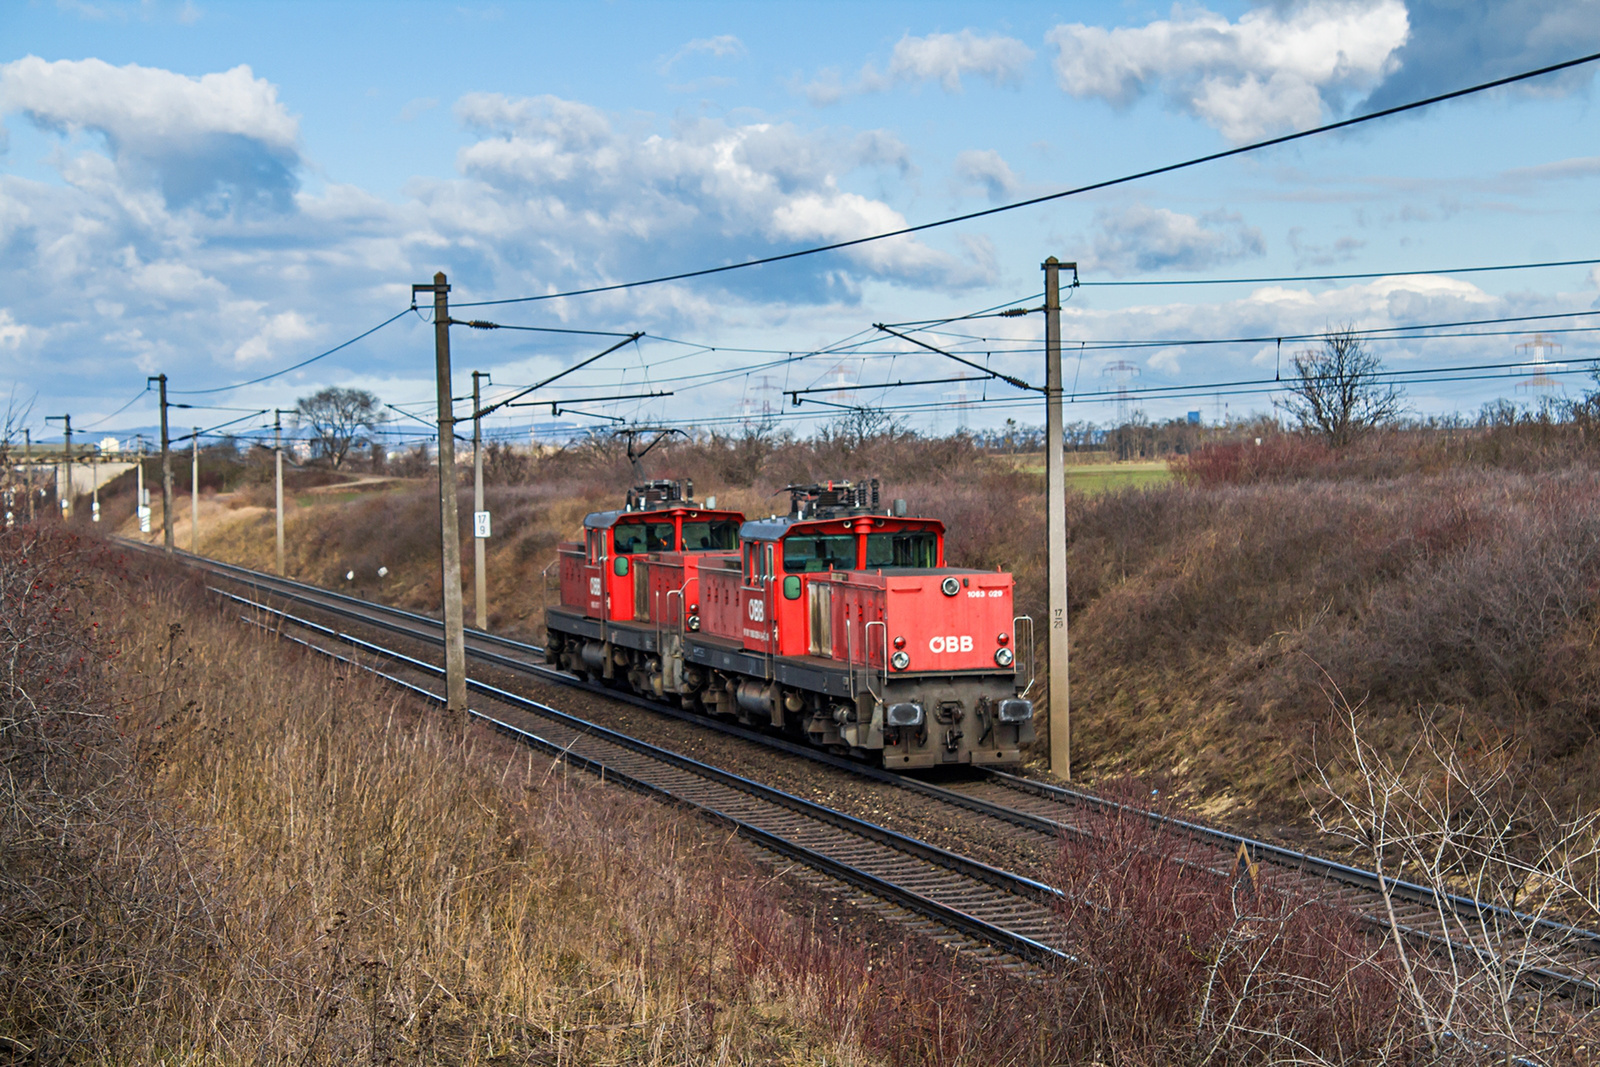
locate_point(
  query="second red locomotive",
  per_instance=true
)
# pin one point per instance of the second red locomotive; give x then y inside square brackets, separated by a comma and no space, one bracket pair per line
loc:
[839,622]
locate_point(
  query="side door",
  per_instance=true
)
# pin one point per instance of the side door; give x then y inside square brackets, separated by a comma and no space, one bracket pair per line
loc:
[755,595]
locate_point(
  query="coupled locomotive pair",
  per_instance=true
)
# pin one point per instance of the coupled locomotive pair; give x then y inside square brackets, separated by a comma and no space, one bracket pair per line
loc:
[838,622]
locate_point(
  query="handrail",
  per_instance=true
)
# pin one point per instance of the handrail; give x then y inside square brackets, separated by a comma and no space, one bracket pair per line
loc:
[1016,650]
[866,653]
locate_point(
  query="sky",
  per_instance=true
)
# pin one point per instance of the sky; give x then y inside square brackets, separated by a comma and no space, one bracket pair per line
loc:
[218,191]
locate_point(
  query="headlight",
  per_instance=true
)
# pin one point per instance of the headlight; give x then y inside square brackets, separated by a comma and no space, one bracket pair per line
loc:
[1016,710]
[1003,657]
[908,713]
[950,586]
[694,622]
[900,661]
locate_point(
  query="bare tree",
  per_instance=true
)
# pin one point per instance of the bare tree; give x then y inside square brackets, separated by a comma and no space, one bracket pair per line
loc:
[858,425]
[1338,392]
[339,420]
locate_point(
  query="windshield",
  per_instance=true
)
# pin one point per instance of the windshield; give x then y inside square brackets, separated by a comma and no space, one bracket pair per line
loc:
[636,537]
[720,535]
[826,552]
[918,548]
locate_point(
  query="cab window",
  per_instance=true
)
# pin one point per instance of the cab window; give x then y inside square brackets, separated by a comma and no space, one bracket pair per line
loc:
[635,537]
[821,552]
[915,548]
[718,536]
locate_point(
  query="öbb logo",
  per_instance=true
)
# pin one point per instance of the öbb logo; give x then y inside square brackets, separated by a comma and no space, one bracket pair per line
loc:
[757,611]
[953,643]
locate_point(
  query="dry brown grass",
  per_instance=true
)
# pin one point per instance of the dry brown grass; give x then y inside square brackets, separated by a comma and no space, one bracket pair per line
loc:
[1434,569]
[222,851]
[283,862]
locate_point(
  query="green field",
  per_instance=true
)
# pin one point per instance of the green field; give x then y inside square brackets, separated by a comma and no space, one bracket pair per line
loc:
[1101,477]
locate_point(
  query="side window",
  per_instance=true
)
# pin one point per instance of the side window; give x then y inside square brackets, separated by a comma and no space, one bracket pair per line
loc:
[630,538]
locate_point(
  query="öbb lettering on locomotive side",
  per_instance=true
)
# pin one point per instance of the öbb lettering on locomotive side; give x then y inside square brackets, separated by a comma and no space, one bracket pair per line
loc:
[838,622]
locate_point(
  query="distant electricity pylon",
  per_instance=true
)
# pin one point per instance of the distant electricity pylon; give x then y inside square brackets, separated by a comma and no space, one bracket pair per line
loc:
[1539,347]
[1121,373]
[963,406]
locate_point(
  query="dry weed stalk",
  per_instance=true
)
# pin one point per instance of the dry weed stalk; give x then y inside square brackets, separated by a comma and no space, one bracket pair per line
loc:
[1452,814]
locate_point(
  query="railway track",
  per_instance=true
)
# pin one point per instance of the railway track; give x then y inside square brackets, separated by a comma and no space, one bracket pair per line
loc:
[1013,914]
[1568,957]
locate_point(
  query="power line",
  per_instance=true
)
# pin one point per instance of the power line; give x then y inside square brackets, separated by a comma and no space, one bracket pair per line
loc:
[1341,277]
[296,366]
[1109,183]
[120,410]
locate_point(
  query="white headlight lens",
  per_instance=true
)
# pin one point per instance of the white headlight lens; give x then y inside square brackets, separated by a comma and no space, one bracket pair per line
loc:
[1003,657]
[900,661]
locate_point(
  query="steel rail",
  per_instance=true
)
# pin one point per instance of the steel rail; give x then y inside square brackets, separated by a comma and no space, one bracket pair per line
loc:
[1321,866]
[1010,885]
[1566,982]
[1276,855]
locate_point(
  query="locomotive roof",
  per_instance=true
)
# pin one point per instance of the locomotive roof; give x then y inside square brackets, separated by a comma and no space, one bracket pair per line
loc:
[604,520]
[774,529]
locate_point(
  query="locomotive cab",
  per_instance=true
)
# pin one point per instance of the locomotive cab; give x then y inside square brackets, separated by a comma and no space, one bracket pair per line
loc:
[924,654]
[600,576]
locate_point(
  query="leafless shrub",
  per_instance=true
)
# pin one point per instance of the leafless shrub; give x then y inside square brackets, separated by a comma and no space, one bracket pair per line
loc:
[1448,812]
[1182,964]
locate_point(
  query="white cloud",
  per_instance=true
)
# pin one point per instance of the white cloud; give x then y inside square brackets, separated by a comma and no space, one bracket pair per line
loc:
[220,140]
[1273,69]
[1143,239]
[283,331]
[945,58]
[12,333]
[561,173]
[721,46]
[988,170]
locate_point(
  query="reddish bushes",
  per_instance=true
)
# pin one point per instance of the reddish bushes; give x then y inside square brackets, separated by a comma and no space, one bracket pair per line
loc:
[1267,459]
[1184,965]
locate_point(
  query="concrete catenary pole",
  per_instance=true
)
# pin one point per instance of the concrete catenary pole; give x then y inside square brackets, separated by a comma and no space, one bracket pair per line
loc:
[94,483]
[1056,502]
[480,580]
[277,478]
[166,467]
[64,482]
[27,460]
[194,495]
[67,499]
[455,659]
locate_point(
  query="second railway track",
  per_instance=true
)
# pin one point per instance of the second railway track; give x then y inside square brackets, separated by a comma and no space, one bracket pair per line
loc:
[1569,958]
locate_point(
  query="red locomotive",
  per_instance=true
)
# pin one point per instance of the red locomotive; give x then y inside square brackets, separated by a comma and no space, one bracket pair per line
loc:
[839,622]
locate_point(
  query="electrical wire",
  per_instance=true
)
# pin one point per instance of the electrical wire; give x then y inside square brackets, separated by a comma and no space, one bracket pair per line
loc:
[1341,277]
[1046,198]
[293,367]
[119,411]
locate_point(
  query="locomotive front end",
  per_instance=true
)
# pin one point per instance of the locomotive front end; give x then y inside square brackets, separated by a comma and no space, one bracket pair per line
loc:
[952,689]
